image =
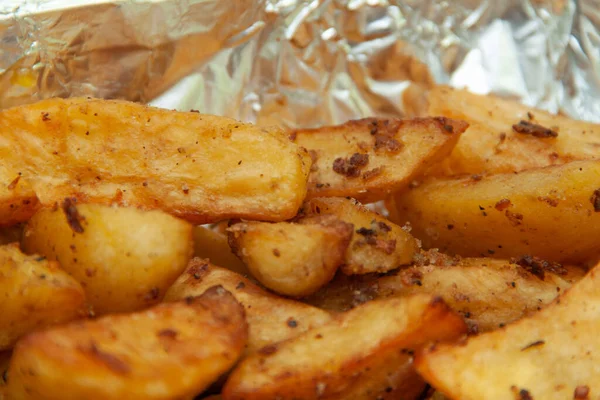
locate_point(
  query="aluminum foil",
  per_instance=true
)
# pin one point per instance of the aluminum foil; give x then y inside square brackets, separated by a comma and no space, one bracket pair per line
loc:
[301,63]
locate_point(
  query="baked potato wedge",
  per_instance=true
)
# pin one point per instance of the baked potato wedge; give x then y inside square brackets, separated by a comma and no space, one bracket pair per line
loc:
[170,351]
[362,354]
[214,245]
[293,259]
[18,201]
[125,258]
[202,168]
[370,158]
[552,213]
[377,244]
[553,354]
[271,319]
[35,294]
[489,293]
[506,136]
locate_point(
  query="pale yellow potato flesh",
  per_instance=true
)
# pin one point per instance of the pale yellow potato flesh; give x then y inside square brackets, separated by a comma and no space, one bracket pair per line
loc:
[35,294]
[214,245]
[359,355]
[554,354]
[552,213]
[377,244]
[292,259]
[202,168]
[124,258]
[170,351]
[271,318]
[490,145]
[370,158]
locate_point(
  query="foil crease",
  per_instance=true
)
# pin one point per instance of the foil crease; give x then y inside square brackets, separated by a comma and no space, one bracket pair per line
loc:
[302,63]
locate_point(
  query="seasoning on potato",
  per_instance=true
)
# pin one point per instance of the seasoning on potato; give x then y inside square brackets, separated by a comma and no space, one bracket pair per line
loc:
[369,158]
[377,244]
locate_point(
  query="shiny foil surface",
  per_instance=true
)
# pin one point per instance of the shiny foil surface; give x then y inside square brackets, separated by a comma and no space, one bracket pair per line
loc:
[301,63]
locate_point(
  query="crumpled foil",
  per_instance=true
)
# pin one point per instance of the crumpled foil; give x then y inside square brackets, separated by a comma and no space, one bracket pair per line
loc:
[301,63]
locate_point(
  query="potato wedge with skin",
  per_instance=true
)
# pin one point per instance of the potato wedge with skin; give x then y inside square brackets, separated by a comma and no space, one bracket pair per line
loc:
[202,168]
[35,294]
[370,158]
[125,258]
[170,351]
[214,245]
[552,213]
[293,259]
[488,293]
[332,361]
[554,354]
[377,244]
[491,145]
[271,319]
[18,201]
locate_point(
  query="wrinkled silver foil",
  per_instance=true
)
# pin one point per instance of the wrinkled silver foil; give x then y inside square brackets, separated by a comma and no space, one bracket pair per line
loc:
[301,63]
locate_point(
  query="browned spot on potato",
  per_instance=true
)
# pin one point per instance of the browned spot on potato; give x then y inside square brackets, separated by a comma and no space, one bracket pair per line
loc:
[529,128]
[351,167]
[503,204]
[73,217]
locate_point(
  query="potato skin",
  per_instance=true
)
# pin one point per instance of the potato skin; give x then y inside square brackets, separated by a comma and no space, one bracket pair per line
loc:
[201,168]
[125,258]
[271,318]
[377,244]
[35,294]
[552,213]
[359,355]
[369,158]
[293,259]
[170,351]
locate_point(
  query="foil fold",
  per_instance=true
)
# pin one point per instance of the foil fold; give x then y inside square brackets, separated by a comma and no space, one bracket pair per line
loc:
[302,63]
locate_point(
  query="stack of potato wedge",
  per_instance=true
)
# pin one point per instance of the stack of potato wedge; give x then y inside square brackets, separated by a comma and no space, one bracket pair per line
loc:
[450,255]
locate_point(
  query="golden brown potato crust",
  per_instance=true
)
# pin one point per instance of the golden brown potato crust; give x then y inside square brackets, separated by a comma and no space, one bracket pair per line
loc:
[377,244]
[551,355]
[370,158]
[358,355]
[199,167]
[271,318]
[552,213]
[170,351]
[506,136]
[292,259]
